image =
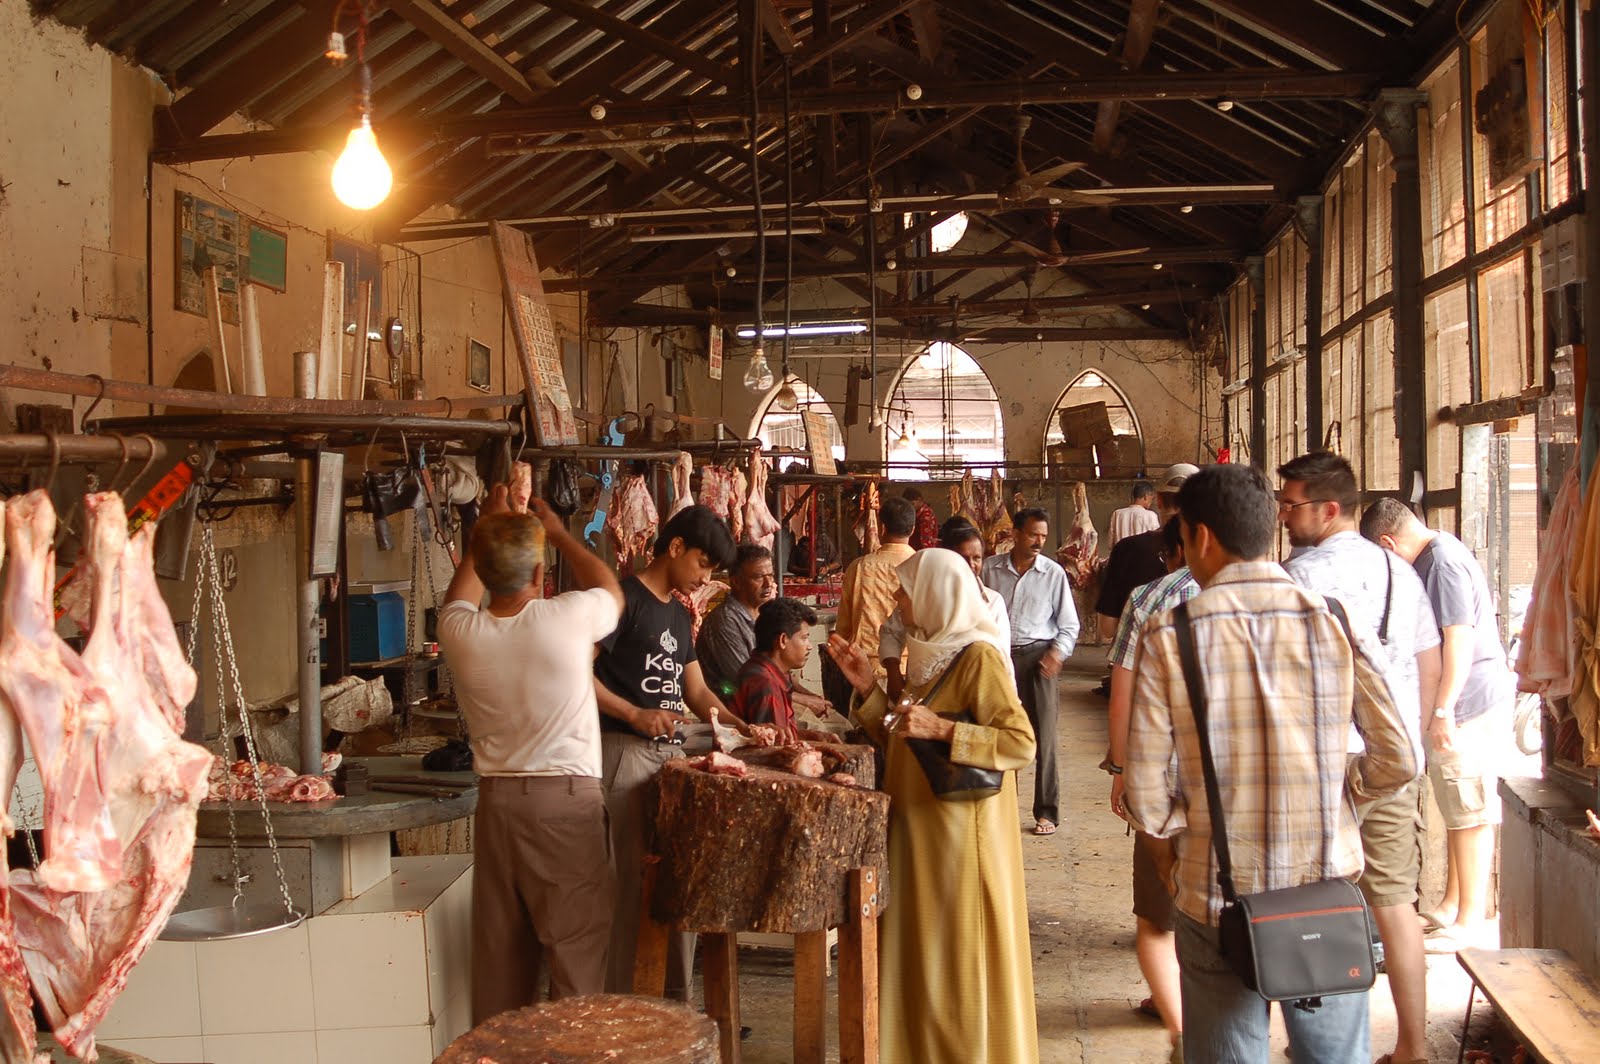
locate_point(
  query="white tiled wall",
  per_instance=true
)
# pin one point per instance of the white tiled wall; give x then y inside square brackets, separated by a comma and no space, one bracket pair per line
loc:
[381,978]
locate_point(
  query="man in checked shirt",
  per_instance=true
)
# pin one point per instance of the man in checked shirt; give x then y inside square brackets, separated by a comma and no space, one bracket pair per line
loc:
[1283,684]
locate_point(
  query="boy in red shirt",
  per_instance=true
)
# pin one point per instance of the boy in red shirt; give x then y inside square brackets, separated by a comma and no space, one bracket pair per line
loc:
[765,693]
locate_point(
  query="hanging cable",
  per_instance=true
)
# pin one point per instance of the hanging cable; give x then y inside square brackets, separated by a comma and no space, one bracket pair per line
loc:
[758,377]
[786,396]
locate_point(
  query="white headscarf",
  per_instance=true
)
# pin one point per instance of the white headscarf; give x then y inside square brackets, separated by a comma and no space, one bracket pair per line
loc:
[949,611]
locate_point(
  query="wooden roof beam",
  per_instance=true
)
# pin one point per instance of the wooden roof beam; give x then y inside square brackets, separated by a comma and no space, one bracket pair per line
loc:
[437,25]
[776,26]
[1135,46]
[581,12]
[861,23]
[927,30]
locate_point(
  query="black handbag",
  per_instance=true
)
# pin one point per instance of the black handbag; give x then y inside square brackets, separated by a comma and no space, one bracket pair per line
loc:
[1297,944]
[949,781]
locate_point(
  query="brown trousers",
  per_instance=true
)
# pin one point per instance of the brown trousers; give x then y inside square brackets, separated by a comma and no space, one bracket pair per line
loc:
[542,890]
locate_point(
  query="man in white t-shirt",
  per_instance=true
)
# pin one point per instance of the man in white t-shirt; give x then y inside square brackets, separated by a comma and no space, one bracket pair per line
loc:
[1136,517]
[542,888]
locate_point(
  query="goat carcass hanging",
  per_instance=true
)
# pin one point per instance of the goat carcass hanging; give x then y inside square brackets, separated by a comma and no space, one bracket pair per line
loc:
[81,943]
[17,1038]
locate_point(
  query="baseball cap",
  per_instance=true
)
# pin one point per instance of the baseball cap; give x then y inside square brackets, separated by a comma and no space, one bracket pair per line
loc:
[1175,475]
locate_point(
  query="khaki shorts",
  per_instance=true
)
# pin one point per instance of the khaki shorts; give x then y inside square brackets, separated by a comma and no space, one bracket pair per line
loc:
[1391,839]
[1465,781]
[1152,900]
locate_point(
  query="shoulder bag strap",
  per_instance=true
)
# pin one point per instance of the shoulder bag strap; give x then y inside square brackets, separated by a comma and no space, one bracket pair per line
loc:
[1336,608]
[1388,600]
[1197,704]
[927,696]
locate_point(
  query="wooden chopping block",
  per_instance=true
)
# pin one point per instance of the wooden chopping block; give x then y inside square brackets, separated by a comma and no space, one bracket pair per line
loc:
[592,1029]
[766,852]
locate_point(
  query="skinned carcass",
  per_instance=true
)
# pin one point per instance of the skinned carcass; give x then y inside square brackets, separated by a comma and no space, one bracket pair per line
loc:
[18,1039]
[760,527]
[113,757]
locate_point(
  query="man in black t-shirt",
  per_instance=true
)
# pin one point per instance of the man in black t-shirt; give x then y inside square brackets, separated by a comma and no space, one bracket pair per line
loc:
[1137,560]
[646,675]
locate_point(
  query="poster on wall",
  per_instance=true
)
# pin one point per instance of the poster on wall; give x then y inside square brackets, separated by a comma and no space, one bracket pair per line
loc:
[820,442]
[714,350]
[544,381]
[268,253]
[362,262]
[478,365]
[208,234]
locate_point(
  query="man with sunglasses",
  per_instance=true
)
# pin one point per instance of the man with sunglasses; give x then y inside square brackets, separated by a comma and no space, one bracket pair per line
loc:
[1388,605]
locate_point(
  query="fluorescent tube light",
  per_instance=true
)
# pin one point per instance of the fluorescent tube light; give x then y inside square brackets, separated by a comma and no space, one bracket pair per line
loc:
[835,328]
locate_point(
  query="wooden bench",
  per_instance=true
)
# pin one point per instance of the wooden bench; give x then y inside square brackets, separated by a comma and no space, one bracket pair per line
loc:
[1548,1002]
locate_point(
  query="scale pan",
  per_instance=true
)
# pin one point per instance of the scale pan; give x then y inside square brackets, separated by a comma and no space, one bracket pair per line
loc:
[228,921]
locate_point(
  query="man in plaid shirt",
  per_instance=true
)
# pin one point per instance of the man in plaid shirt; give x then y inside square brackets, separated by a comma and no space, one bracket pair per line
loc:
[1283,685]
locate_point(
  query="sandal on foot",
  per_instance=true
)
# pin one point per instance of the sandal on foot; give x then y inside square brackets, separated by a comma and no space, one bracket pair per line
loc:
[1431,923]
[1147,1007]
[1043,827]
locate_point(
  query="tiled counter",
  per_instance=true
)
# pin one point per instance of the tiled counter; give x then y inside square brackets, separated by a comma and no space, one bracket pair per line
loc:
[379,979]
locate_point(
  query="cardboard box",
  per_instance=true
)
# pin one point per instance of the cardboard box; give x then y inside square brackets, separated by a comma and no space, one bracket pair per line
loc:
[1120,456]
[1071,463]
[1086,425]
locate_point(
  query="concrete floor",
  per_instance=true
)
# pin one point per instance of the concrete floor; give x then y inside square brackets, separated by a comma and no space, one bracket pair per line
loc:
[1085,975]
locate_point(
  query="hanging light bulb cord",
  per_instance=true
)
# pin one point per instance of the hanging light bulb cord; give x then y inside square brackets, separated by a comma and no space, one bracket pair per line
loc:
[755,182]
[788,220]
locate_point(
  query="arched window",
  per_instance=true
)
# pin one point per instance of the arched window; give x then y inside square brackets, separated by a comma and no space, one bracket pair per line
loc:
[943,417]
[1120,457]
[783,429]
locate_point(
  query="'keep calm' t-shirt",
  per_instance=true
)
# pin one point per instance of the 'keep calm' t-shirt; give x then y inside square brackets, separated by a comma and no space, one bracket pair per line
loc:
[643,660]
[1460,595]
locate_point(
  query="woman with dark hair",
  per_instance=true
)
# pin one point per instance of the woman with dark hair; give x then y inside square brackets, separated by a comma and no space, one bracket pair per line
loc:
[956,971]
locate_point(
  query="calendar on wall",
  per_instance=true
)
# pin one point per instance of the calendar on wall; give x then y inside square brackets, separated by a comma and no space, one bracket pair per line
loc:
[538,352]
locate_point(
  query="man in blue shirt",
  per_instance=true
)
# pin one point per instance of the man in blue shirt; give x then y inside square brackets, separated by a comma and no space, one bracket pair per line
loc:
[1468,723]
[1044,629]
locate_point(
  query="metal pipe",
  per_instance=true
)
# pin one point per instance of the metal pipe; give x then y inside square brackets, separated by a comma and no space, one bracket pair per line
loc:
[308,590]
[80,448]
[498,146]
[1122,195]
[266,426]
[39,380]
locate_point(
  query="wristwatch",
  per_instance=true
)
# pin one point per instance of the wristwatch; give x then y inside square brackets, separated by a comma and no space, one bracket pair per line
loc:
[1440,713]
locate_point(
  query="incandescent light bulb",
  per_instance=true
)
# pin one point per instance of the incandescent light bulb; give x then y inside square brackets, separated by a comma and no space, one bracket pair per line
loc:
[786,399]
[758,377]
[361,177]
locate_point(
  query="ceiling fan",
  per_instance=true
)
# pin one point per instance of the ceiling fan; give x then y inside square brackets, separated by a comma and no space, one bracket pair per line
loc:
[1028,189]
[1042,240]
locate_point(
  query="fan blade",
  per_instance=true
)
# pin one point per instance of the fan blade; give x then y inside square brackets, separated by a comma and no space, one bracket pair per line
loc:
[1108,256]
[1073,197]
[1044,177]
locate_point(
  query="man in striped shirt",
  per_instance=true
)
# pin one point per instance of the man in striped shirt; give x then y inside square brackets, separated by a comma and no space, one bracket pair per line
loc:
[1152,858]
[1282,685]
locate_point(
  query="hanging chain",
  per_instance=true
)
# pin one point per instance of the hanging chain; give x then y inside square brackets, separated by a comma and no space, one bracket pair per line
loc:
[409,681]
[211,574]
[202,587]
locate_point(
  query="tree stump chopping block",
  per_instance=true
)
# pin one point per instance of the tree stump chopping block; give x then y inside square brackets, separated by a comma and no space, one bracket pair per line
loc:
[765,852]
[593,1029]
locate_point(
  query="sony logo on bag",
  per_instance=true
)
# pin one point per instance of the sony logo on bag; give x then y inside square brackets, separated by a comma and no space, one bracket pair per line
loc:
[1310,937]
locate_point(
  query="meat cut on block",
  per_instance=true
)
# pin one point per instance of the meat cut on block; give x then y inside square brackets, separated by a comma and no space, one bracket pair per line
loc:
[120,784]
[769,851]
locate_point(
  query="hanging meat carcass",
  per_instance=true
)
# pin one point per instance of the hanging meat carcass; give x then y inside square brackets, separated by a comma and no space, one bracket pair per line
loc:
[720,491]
[79,944]
[521,490]
[866,522]
[760,526]
[682,493]
[17,1036]
[1079,547]
[1000,534]
[633,521]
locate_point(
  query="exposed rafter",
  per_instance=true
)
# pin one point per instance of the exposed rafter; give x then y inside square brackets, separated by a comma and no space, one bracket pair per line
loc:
[453,37]
[666,48]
